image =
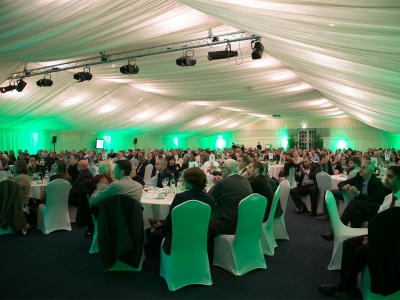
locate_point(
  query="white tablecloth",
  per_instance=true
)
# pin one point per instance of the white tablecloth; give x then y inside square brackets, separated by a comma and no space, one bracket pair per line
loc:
[274,170]
[154,208]
[37,190]
[336,179]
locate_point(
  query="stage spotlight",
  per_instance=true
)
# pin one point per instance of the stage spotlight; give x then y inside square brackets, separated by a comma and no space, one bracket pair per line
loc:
[186,60]
[83,76]
[258,50]
[7,88]
[45,81]
[129,69]
[222,54]
[21,84]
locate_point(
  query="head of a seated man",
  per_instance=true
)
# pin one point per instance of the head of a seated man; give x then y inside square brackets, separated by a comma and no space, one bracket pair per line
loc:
[83,164]
[122,168]
[306,162]
[194,178]
[161,164]
[255,168]
[354,162]
[242,161]
[323,159]
[367,168]
[141,158]
[392,179]
[120,154]
[32,161]
[230,166]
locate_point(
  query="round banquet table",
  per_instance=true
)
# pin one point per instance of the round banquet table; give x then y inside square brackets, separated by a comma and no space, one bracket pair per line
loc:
[37,190]
[337,178]
[154,208]
[274,170]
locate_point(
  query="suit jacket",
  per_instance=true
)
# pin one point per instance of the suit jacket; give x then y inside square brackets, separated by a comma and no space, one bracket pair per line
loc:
[179,199]
[315,168]
[141,168]
[75,190]
[260,185]
[228,192]
[327,168]
[375,189]
[165,174]
[120,231]
[73,172]
[384,249]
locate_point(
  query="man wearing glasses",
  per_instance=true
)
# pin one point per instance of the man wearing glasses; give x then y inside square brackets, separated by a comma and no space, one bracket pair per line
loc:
[229,189]
[33,167]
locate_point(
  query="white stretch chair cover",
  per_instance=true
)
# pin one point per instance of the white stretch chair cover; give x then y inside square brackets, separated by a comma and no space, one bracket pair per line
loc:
[153,180]
[188,261]
[340,232]
[54,215]
[268,242]
[93,170]
[365,288]
[280,232]
[147,173]
[291,177]
[242,252]
[324,182]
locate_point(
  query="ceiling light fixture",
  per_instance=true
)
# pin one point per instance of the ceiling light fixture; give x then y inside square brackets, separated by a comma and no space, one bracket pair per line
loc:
[45,81]
[258,49]
[129,69]
[186,60]
[8,88]
[21,84]
[213,55]
[83,76]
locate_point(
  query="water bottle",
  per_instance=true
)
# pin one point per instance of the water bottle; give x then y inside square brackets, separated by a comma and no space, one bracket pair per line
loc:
[172,184]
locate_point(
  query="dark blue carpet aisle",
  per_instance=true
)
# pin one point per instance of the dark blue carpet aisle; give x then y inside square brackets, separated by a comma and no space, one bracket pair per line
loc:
[59,266]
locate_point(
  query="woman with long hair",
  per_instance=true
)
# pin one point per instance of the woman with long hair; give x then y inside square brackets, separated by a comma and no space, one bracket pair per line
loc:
[173,166]
[342,166]
[61,171]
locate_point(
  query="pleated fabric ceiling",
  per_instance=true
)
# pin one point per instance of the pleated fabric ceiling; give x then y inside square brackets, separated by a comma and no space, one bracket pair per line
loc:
[322,59]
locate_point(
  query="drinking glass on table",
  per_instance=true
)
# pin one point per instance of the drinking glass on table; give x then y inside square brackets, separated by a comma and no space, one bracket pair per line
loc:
[146,188]
[165,182]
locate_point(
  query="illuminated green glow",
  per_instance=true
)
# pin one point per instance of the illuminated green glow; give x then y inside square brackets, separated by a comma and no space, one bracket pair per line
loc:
[341,144]
[176,141]
[221,143]
[285,142]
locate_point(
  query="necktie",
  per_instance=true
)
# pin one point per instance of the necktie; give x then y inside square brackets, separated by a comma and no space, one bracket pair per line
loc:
[393,200]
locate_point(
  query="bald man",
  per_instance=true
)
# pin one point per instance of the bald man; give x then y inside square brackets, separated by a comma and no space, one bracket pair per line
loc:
[84,173]
[229,189]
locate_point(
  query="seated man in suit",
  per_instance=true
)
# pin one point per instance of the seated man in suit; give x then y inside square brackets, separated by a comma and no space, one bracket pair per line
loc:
[369,193]
[33,166]
[84,173]
[306,176]
[356,249]
[142,165]
[260,185]
[164,172]
[73,167]
[228,191]
[124,185]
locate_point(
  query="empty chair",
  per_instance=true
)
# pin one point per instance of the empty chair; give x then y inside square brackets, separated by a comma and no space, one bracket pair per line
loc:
[280,232]
[188,260]
[242,252]
[54,214]
[147,173]
[340,232]
[268,242]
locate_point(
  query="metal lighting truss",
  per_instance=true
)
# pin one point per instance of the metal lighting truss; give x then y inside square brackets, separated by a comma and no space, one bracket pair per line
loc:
[109,58]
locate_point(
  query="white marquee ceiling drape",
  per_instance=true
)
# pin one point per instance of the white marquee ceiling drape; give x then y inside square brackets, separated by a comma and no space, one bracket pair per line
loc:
[322,60]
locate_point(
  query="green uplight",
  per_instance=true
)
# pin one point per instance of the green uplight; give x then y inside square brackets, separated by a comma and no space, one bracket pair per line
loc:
[176,141]
[285,142]
[341,144]
[221,143]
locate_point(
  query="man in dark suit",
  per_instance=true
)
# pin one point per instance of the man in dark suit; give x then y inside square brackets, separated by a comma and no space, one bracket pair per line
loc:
[369,194]
[260,185]
[325,163]
[73,167]
[84,173]
[228,191]
[356,250]
[142,165]
[163,172]
[306,176]
[33,166]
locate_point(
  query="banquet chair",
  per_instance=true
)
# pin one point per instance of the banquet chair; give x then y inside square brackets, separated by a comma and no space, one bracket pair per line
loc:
[72,213]
[147,173]
[120,234]
[94,248]
[365,287]
[11,208]
[267,239]
[188,261]
[280,232]
[324,182]
[340,231]
[54,214]
[291,177]
[242,252]
[93,170]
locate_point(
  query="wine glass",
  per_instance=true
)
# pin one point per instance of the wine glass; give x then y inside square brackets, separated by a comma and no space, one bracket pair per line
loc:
[146,188]
[165,182]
